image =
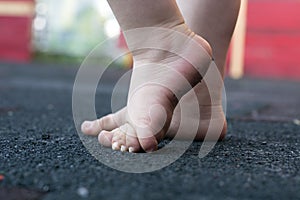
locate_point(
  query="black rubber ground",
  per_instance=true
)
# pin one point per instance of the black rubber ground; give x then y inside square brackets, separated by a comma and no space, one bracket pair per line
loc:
[42,157]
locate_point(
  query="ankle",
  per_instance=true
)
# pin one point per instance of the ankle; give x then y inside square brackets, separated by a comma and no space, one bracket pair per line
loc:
[156,44]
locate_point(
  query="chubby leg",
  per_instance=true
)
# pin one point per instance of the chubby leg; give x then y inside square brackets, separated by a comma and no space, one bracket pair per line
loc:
[215,21]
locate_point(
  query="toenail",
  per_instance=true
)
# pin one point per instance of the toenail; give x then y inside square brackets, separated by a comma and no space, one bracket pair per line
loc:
[123,148]
[131,149]
[115,146]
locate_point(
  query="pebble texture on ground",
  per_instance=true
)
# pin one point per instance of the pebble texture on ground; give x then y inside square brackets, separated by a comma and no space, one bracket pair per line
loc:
[42,157]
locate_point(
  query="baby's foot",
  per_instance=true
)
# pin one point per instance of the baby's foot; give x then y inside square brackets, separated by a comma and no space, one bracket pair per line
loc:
[157,83]
[106,124]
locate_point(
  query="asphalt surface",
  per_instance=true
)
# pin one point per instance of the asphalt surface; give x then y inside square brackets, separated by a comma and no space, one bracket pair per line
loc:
[42,157]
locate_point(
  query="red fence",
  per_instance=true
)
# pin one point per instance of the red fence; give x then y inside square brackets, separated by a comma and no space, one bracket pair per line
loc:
[273,39]
[15,34]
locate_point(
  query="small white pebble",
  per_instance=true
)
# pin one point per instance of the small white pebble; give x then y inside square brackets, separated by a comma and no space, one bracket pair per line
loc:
[50,107]
[83,192]
[10,113]
[297,122]
[45,187]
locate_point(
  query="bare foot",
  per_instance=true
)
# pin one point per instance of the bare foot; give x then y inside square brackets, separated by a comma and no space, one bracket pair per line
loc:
[102,127]
[151,103]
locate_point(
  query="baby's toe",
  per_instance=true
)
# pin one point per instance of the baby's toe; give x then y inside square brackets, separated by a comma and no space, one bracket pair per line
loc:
[108,123]
[118,139]
[132,142]
[149,144]
[105,138]
[147,140]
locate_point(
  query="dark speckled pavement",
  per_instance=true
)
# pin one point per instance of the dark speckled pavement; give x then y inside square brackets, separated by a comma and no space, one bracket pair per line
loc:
[42,157]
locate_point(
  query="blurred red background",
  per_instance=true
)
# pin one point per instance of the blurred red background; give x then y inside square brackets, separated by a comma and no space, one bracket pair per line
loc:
[15,34]
[272,40]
